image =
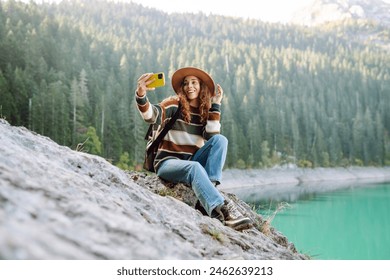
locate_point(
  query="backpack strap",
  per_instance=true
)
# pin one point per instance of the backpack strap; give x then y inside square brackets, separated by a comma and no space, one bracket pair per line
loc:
[165,130]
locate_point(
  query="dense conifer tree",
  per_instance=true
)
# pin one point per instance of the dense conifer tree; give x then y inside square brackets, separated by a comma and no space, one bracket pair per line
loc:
[309,96]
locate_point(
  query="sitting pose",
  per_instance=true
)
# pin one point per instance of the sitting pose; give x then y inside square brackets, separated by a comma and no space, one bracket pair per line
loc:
[193,151]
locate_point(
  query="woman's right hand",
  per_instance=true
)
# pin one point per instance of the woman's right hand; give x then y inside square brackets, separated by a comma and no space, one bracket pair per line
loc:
[142,83]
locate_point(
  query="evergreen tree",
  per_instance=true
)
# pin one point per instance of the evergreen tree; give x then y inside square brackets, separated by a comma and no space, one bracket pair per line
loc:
[7,102]
[292,94]
[92,144]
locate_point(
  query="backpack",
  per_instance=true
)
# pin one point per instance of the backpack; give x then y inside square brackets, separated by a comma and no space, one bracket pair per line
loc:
[154,135]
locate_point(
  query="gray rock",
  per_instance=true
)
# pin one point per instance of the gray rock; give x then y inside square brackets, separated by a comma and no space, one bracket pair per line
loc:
[56,203]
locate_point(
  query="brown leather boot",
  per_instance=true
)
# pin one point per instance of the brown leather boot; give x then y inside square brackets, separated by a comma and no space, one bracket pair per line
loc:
[231,217]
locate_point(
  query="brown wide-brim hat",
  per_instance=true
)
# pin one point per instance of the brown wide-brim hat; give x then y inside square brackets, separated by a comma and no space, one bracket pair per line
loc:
[179,75]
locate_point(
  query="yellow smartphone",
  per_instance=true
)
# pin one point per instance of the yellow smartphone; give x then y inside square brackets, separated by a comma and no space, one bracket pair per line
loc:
[159,80]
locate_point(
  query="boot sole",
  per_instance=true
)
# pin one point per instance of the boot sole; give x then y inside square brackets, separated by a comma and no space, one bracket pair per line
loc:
[240,225]
[243,227]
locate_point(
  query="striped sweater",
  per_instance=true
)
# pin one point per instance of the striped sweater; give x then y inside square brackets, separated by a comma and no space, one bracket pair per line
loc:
[183,139]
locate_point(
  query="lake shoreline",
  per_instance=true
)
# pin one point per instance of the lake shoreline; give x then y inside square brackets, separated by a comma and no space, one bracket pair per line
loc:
[292,176]
[290,184]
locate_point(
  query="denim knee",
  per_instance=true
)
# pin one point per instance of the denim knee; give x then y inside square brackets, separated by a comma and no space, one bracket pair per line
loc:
[219,139]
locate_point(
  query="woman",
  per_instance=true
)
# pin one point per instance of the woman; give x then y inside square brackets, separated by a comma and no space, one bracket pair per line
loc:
[193,151]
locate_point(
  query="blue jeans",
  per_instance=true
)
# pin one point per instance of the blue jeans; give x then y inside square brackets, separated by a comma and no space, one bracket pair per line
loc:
[204,168]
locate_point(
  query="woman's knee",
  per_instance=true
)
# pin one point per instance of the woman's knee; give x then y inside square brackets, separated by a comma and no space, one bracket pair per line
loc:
[220,140]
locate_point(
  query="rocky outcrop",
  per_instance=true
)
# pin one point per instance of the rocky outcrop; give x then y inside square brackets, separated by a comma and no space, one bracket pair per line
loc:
[56,203]
[323,11]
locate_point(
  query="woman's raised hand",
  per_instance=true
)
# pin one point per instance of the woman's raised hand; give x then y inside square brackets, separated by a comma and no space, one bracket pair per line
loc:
[217,98]
[142,84]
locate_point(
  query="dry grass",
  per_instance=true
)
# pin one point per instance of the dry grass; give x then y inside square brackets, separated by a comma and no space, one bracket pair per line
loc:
[266,226]
[80,146]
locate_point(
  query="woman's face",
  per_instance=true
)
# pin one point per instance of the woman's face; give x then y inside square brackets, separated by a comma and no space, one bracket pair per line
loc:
[191,87]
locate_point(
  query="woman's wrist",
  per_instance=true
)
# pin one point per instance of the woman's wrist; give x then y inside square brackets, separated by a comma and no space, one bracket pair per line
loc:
[139,95]
[215,107]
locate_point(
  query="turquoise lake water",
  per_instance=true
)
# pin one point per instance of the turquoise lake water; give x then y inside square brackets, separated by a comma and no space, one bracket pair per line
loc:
[346,224]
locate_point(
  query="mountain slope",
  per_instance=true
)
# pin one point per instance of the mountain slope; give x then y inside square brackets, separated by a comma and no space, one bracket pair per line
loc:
[323,11]
[68,71]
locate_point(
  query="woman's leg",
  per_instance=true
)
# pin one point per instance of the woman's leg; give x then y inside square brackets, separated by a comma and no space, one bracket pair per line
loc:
[212,156]
[193,174]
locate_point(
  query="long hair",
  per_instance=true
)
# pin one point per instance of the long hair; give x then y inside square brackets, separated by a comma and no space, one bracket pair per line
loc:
[204,106]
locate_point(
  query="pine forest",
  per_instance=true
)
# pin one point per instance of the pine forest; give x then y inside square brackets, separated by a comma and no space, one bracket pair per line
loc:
[309,96]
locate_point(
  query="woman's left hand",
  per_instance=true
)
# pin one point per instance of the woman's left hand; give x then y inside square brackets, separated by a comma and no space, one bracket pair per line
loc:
[217,98]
